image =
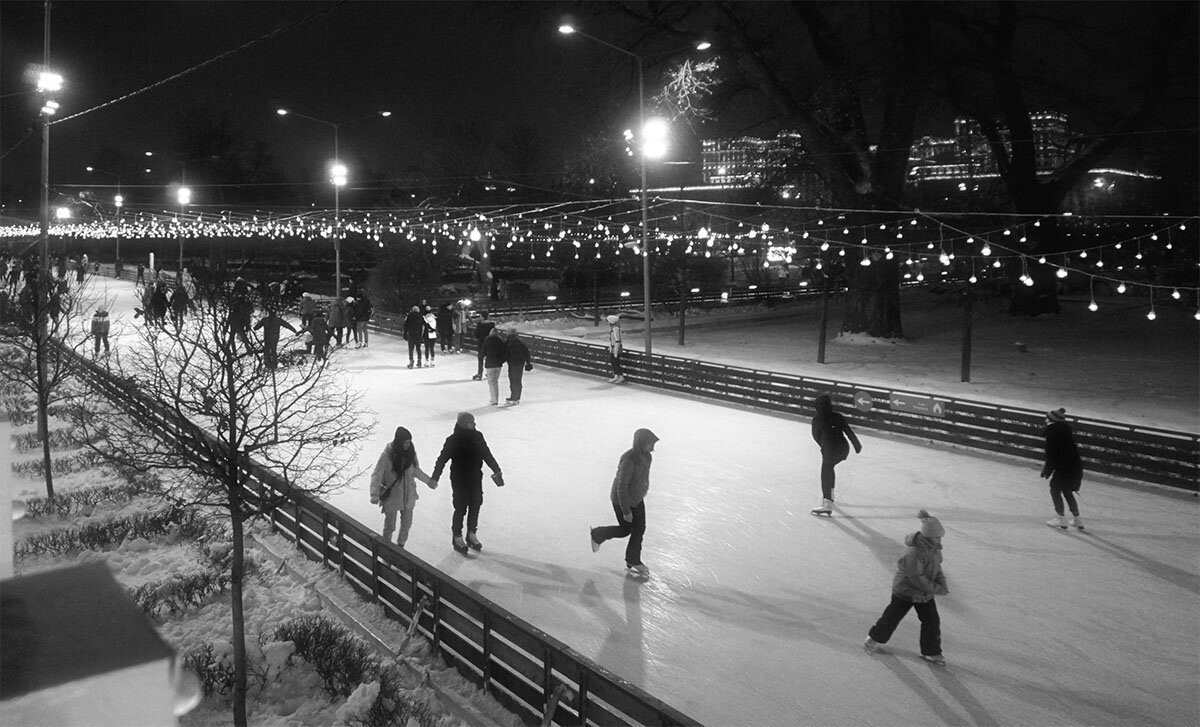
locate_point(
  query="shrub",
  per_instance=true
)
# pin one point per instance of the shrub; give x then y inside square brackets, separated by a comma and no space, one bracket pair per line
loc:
[215,672]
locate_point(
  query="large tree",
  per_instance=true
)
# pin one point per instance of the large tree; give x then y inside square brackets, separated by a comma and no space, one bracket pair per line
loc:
[223,406]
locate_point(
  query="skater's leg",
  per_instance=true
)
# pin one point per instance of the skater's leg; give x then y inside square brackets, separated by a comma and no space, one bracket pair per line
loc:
[633,551]
[406,517]
[931,627]
[389,524]
[493,382]
[514,382]
[473,507]
[616,364]
[1071,504]
[479,356]
[890,619]
[607,532]
[827,477]
[1057,498]
[462,498]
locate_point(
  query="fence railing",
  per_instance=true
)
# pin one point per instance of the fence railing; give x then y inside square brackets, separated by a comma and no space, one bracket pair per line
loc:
[1135,452]
[528,671]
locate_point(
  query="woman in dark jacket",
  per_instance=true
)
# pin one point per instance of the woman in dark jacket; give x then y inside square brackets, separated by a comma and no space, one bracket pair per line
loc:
[519,361]
[466,450]
[1063,468]
[829,431]
[445,328]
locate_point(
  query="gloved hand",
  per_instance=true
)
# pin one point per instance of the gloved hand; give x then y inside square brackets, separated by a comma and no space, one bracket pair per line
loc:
[858,449]
[498,478]
[627,517]
[1045,474]
[529,367]
[374,500]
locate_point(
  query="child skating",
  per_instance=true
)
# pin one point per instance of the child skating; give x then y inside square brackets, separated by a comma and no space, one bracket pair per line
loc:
[918,580]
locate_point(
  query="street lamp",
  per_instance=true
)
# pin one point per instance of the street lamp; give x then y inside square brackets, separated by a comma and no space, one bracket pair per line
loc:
[118,202]
[338,177]
[651,142]
[183,195]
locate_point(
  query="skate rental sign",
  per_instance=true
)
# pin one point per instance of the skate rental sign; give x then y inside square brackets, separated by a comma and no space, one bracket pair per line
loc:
[918,404]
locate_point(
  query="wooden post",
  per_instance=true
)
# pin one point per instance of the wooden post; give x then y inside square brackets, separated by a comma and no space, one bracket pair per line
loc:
[968,304]
[824,321]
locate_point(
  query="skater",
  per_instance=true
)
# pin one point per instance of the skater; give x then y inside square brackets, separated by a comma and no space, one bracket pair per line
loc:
[519,361]
[431,335]
[394,484]
[306,309]
[414,333]
[466,450]
[918,580]
[628,495]
[335,318]
[363,310]
[317,337]
[271,324]
[1063,468]
[482,330]
[352,321]
[100,326]
[830,430]
[495,351]
[445,328]
[614,348]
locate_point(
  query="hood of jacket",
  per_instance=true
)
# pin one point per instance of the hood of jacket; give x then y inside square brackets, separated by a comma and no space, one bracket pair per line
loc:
[917,540]
[643,437]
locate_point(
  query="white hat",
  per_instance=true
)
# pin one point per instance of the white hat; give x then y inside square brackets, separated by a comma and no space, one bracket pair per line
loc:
[614,320]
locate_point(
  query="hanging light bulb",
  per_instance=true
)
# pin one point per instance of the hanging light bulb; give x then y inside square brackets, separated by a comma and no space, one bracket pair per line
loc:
[1042,260]
[703,233]
[944,259]
[972,280]
[1175,294]
[1151,315]
[475,235]
[824,246]
[1092,306]
[920,277]
[1028,282]
[1062,273]
[1121,288]
[987,250]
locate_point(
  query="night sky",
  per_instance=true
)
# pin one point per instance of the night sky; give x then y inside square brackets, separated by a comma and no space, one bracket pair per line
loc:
[439,67]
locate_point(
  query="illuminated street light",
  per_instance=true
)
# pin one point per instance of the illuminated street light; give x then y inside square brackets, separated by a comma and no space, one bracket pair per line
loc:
[338,179]
[62,213]
[183,195]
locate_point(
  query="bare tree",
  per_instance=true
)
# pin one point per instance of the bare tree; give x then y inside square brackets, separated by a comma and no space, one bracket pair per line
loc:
[45,328]
[225,408]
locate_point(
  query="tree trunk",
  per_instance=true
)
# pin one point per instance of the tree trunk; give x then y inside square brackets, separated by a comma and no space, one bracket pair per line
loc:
[43,405]
[237,572]
[873,302]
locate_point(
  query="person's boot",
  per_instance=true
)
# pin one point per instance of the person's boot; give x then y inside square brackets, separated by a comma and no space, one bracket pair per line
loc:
[473,542]
[459,545]
[1077,522]
[1058,521]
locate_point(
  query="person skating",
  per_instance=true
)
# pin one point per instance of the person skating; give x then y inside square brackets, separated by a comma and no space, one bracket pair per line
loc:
[1063,468]
[614,349]
[830,431]
[482,330]
[100,326]
[394,484]
[495,351]
[336,318]
[519,361]
[466,450]
[918,580]
[445,328]
[272,324]
[414,333]
[431,335]
[363,310]
[628,495]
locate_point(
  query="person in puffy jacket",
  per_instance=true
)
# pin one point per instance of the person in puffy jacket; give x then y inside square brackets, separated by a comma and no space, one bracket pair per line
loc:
[1063,468]
[918,580]
[519,361]
[628,494]
[394,484]
[830,431]
[100,326]
[466,450]
[337,318]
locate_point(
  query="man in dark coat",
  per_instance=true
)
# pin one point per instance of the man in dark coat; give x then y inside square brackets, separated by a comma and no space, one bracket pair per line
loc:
[467,451]
[271,324]
[482,329]
[414,333]
[519,361]
[1063,468]
[445,328]
[495,352]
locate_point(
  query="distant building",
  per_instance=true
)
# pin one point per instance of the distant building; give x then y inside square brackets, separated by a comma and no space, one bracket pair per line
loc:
[967,156]
[747,161]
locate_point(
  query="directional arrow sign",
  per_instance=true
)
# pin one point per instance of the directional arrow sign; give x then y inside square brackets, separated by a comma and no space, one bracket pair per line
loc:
[862,400]
[918,404]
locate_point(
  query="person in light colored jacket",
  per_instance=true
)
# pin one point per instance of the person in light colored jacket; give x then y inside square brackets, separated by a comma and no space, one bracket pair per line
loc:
[918,580]
[394,484]
[628,496]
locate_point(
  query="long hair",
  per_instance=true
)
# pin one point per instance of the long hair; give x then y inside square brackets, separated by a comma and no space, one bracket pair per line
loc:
[402,457]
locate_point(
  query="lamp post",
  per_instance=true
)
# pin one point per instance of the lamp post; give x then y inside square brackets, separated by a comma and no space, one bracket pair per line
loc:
[183,195]
[644,149]
[118,202]
[47,83]
[338,177]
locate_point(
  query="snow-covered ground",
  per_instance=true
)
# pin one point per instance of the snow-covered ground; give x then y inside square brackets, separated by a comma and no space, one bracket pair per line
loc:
[756,611]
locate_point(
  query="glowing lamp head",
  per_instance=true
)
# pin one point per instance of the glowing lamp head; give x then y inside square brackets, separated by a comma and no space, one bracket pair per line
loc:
[566,29]
[703,45]
[118,200]
[655,138]
[49,81]
[1093,307]
[184,195]
[281,112]
[62,213]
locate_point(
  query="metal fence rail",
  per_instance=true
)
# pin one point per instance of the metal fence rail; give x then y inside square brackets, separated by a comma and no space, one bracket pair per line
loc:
[525,669]
[1135,452]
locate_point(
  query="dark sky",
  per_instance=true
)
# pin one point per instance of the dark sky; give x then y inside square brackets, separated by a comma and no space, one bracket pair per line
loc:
[436,65]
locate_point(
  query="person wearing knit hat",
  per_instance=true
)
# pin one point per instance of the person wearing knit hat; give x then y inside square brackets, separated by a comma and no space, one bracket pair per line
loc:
[628,495]
[1063,467]
[830,431]
[394,484]
[466,450]
[614,348]
[100,327]
[918,580]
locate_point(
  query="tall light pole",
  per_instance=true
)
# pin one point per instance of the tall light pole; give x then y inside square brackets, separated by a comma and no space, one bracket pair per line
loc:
[183,195]
[338,177]
[118,202]
[644,150]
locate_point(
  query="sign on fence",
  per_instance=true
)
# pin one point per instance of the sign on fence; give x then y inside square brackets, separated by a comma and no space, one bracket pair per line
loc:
[918,404]
[862,400]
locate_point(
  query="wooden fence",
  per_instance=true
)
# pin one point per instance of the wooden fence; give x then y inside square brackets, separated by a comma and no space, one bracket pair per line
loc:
[525,669]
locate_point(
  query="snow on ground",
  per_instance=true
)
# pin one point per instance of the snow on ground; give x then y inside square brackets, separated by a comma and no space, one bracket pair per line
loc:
[753,594]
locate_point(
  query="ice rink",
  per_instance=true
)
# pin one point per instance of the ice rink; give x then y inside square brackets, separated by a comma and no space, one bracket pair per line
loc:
[756,611]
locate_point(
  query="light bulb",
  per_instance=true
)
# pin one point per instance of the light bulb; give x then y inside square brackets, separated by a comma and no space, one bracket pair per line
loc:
[986,250]
[1093,307]
[973,279]
[1121,288]
[1151,315]
[1062,272]
[1175,294]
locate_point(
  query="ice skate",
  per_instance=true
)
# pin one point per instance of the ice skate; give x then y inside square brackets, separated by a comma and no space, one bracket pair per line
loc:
[825,508]
[473,542]
[619,380]
[637,570]
[1077,522]
[477,378]
[934,659]
[410,364]
[1058,521]
[872,646]
[592,537]
[459,544]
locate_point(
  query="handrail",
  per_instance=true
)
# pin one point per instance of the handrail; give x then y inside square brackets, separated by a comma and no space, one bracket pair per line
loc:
[524,668]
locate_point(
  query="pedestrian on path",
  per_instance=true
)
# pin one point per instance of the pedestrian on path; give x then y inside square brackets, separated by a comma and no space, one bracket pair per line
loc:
[394,484]
[628,495]
[519,361]
[1063,468]
[414,333]
[466,450]
[918,580]
[482,330]
[614,349]
[830,430]
[495,352]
